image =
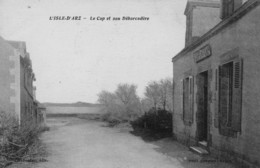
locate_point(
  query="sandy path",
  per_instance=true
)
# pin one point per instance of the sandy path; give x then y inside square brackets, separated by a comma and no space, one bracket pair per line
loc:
[78,143]
[75,143]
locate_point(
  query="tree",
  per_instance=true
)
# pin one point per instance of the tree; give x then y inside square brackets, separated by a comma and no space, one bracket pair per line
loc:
[106,98]
[123,104]
[126,93]
[166,92]
[146,104]
[169,103]
[152,92]
[160,94]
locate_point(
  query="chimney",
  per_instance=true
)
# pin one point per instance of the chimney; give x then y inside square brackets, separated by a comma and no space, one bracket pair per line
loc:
[229,6]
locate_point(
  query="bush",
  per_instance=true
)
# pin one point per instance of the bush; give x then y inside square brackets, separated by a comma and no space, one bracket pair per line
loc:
[155,120]
[122,105]
[18,143]
[113,118]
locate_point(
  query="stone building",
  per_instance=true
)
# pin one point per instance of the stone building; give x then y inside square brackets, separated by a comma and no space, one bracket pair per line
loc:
[16,81]
[216,76]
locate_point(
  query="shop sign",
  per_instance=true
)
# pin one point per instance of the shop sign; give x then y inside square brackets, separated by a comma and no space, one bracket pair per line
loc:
[202,53]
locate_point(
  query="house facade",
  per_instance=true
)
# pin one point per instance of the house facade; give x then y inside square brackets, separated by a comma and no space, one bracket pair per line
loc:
[216,77]
[16,88]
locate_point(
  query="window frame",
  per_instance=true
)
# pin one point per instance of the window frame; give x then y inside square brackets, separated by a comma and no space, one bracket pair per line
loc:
[230,92]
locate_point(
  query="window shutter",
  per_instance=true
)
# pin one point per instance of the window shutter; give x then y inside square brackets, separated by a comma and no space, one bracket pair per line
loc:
[191,99]
[186,100]
[197,98]
[216,120]
[223,109]
[237,95]
[182,97]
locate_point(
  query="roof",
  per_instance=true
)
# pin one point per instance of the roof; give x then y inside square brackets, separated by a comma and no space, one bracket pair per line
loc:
[239,13]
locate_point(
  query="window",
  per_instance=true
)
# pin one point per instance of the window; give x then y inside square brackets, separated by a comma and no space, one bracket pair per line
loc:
[230,97]
[188,100]
[226,83]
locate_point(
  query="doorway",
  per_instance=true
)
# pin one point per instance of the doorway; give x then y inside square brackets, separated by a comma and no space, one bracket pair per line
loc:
[202,113]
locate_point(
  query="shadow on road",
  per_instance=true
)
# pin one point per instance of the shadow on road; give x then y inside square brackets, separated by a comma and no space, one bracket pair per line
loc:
[168,146]
[149,135]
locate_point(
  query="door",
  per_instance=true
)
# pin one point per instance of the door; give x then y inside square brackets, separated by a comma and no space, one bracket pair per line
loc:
[202,112]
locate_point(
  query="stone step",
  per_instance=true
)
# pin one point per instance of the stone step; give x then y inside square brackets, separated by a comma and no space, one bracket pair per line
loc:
[199,150]
[203,144]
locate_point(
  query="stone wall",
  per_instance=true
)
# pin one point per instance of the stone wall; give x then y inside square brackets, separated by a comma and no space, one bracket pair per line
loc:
[9,83]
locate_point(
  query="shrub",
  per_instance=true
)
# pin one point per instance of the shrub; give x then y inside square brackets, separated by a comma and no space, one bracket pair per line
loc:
[122,105]
[114,118]
[18,142]
[155,120]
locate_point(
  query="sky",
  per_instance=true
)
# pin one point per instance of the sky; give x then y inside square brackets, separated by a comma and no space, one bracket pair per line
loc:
[74,60]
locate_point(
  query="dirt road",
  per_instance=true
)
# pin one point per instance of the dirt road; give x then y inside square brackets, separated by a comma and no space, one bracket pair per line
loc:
[77,143]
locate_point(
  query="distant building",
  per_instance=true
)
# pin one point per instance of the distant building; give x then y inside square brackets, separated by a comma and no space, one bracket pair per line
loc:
[216,76]
[41,114]
[16,81]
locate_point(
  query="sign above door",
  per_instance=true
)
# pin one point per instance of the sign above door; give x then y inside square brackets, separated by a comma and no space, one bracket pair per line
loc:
[202,53]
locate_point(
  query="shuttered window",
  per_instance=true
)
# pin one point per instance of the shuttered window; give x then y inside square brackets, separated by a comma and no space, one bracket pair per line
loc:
[230,97]
[186,102]
[188,99]
[181,97]
[191,98]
